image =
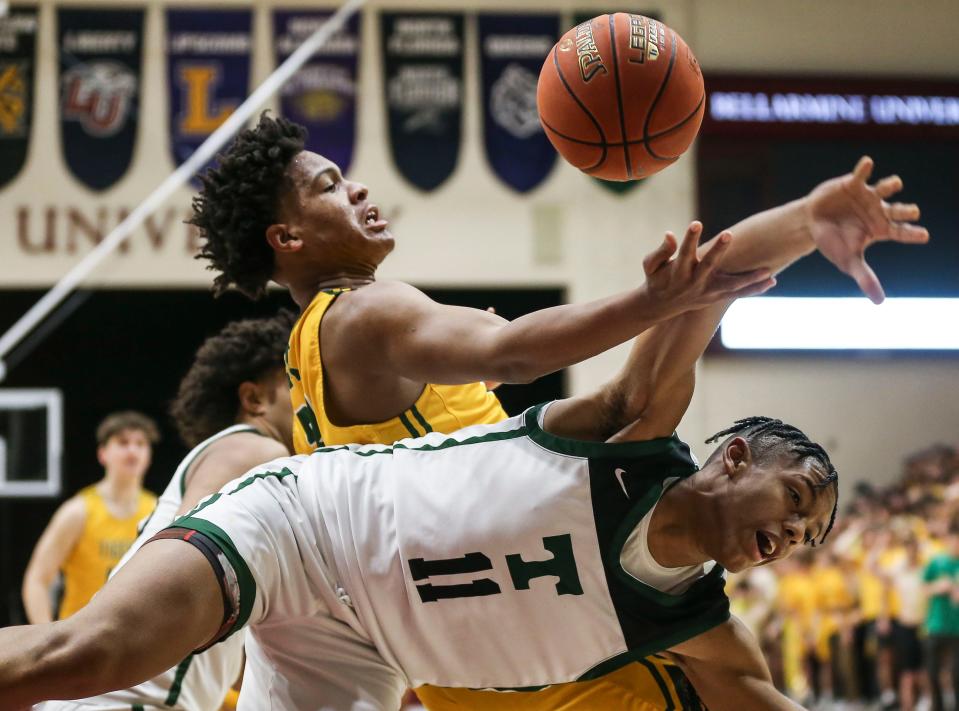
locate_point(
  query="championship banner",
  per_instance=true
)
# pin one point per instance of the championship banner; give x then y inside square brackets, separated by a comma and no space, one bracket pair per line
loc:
[208,71]
[512,50]
[617,186]
[423,67]
[101,55]
[322,94]
[18,40]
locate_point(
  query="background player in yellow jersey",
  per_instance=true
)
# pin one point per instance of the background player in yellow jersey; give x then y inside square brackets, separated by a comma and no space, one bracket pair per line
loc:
[366,356]
[90,532]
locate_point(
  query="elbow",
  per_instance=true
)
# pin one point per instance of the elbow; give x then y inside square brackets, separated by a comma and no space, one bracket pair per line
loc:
[80,661]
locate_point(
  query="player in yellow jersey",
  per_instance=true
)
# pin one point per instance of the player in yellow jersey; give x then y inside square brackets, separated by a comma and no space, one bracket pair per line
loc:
[90,532]
[367,357]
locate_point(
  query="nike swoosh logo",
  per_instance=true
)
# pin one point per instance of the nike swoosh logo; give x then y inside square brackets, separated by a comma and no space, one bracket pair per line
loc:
[619,477]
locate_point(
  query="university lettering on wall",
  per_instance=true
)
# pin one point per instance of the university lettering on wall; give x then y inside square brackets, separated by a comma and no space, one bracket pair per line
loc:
[321,95]
[208,72]
[100,60]
[423,83]
[18,40]
[512,49]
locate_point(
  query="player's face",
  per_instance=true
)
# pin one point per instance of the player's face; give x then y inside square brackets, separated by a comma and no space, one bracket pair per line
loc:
[126,454]
[767,511]
[340,227]
[279,409]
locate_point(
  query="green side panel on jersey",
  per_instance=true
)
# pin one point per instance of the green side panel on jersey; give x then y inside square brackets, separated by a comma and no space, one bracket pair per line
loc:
[243,575]
[177,686]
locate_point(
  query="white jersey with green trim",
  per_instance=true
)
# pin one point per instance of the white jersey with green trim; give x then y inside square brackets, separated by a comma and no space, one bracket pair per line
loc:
[489,557]
[200,682]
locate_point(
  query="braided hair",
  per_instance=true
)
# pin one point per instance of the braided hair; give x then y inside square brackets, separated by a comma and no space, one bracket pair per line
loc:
[770,437]
[237,203]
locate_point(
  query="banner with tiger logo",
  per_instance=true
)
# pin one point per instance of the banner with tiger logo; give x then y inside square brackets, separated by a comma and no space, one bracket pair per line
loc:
[322,94]
[100,58]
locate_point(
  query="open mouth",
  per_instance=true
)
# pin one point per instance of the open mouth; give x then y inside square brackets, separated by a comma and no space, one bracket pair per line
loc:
[372,215]
[766,546]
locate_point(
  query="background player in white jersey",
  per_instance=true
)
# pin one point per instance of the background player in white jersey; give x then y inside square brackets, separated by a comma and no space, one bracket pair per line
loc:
[233,408]
[340,549]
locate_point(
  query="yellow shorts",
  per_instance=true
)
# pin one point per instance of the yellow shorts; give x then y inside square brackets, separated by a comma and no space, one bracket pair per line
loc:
[650,685]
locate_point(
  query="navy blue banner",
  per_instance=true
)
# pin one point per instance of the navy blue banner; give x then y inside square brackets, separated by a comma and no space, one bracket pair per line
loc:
[322,94]
[208,70]
[512,50]
[18,42]
[423,71]
[101,55]
[616,186]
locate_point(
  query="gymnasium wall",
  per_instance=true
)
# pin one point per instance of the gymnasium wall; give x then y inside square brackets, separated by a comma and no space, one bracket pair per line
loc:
[568,233]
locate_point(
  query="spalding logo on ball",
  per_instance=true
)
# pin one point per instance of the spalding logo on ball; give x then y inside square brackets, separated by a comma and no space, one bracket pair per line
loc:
[621,96]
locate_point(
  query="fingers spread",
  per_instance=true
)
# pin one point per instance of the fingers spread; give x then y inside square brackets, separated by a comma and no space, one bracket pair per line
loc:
[868,281]
[902,211]
[690,243]
[863,169]
[715,252]
[909,234]
[661,255]
[889,186]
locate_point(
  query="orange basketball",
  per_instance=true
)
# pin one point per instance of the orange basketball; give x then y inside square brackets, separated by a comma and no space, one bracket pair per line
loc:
[621,96]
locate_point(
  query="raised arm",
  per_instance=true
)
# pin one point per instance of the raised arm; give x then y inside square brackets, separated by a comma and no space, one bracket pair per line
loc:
[392,328]
[841,217]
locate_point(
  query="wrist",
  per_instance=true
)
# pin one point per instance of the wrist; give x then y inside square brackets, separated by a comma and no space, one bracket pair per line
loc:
[804,224]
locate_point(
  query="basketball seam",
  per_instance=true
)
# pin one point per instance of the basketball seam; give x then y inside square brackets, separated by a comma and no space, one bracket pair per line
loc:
[619,95]
[659,95]
[652,136]
[559,73]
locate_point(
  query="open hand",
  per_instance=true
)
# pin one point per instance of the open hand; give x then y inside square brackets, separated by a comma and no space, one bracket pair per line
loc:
[846,215]
[688,282]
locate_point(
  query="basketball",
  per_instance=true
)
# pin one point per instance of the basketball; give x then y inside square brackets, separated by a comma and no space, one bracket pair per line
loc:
[621,96]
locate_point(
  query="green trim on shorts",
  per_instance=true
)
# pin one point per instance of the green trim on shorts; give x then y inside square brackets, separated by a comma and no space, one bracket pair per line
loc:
[422,420]
[368,451]
[177,686]
[244,577]
[409,426]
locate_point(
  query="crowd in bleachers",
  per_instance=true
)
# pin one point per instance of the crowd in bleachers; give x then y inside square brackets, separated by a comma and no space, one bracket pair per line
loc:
[869,619]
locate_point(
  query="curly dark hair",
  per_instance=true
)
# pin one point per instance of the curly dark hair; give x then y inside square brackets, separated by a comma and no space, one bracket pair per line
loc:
[238,202]
[208,400]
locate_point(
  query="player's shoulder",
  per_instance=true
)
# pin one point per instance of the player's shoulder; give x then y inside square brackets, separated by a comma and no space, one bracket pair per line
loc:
[249,445]
[379,298]
[73,511]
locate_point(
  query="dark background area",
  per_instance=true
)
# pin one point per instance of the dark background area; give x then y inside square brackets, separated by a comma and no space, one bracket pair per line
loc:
[109,350]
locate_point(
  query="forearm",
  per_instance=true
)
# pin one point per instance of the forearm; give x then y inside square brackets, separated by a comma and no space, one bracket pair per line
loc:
[36,599]
[34,667]
[772,239]
[736,693]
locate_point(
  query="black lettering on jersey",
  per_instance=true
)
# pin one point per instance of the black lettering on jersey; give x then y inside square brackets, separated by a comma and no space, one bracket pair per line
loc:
[475,562]
[562,565]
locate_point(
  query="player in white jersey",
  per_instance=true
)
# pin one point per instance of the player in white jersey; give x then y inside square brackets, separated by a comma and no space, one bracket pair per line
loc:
[549,547]
[236,385]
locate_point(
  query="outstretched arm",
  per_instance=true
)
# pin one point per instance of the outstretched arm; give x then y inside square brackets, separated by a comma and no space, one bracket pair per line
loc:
[841,217]
[122,637]
[392,328]
[56,543]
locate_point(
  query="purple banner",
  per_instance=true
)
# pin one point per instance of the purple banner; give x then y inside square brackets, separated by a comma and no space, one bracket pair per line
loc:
[18,42]
[208,71]
[512,50]
[322,94]
[101,55]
